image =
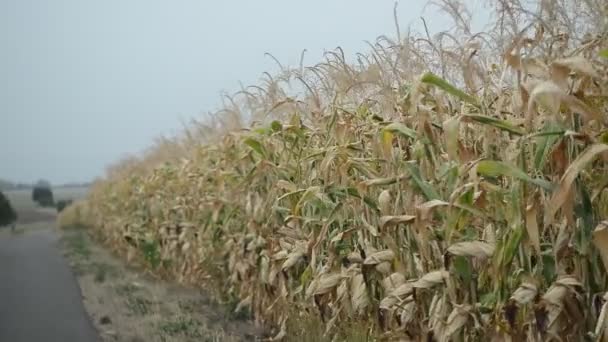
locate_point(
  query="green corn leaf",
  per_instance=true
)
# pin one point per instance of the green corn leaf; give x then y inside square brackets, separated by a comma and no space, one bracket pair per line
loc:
[548,137]
[309,194]
[493,168]
[604,53]
[604,137]
[371,203]
[291,194]
[401,129]
[442,84]
[450,130]
[497,123]
[276,126]
[256,146]
[427,189]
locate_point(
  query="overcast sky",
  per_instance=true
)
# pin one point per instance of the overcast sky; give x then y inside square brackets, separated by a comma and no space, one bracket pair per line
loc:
[82,82]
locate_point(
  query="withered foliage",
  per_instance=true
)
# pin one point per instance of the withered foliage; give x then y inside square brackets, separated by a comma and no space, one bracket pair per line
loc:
[446,187]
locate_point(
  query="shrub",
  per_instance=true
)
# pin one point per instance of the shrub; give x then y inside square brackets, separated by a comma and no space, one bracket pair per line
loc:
[7,213]
[43,196]
[62,204]
[74,215]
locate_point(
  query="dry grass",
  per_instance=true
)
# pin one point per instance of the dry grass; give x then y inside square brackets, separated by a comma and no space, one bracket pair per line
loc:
[437,189]
[74,215]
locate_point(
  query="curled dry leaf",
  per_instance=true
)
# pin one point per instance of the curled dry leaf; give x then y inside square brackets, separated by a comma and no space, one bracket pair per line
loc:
[379,257]
[328,282]
[408,313]
[359,298]
[535,67]
[560,196]
[525,293]
[478,249]
[287,186]
[578,64]
[283,254]
[384,267]
[431,279]
[569,281]
[292,259]
[384,201]
[553,303]
[391,282]
[426,208]
[456,320]
[395,220]
[552,96]
[399,294]
[355,257]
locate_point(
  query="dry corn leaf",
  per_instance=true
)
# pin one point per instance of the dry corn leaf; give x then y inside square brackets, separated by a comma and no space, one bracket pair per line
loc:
[327,282]
[391,282]
[478,249]
[379,257]
[577,64]
[400,293]
[525,293]
[408,313]
[560,196]
[431,279]
[359,298]
[535,67]
[451,129]
[532,227]
[384,202]
[600,240]
[602,321]
[283,254]
[456,320]
[395,220]
[292,259]
[426,208]
[552,95]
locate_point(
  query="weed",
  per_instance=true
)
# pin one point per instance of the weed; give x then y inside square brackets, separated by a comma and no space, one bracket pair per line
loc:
[138,305]
[102,271]
[183,326]
[78,245]
[126,289]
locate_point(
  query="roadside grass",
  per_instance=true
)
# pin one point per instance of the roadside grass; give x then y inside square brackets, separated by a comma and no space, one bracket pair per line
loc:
[77,244]
[138,305]
[182,326]
[103,271]
[128,305]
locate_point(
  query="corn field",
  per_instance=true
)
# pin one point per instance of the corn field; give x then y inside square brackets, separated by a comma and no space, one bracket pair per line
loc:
[446,187]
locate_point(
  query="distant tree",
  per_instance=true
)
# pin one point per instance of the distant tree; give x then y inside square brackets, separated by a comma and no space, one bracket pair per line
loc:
[43,195]
[6,185]
[43,183]
[8,215]
[62,204]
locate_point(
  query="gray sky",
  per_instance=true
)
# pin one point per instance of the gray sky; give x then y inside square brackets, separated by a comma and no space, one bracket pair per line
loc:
[82,83]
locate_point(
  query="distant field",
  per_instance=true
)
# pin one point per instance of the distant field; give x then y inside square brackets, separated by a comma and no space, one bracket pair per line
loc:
[22,199]
[28,211]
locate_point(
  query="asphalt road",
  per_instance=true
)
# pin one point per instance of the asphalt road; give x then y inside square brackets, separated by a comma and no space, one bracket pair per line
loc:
[39,297]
